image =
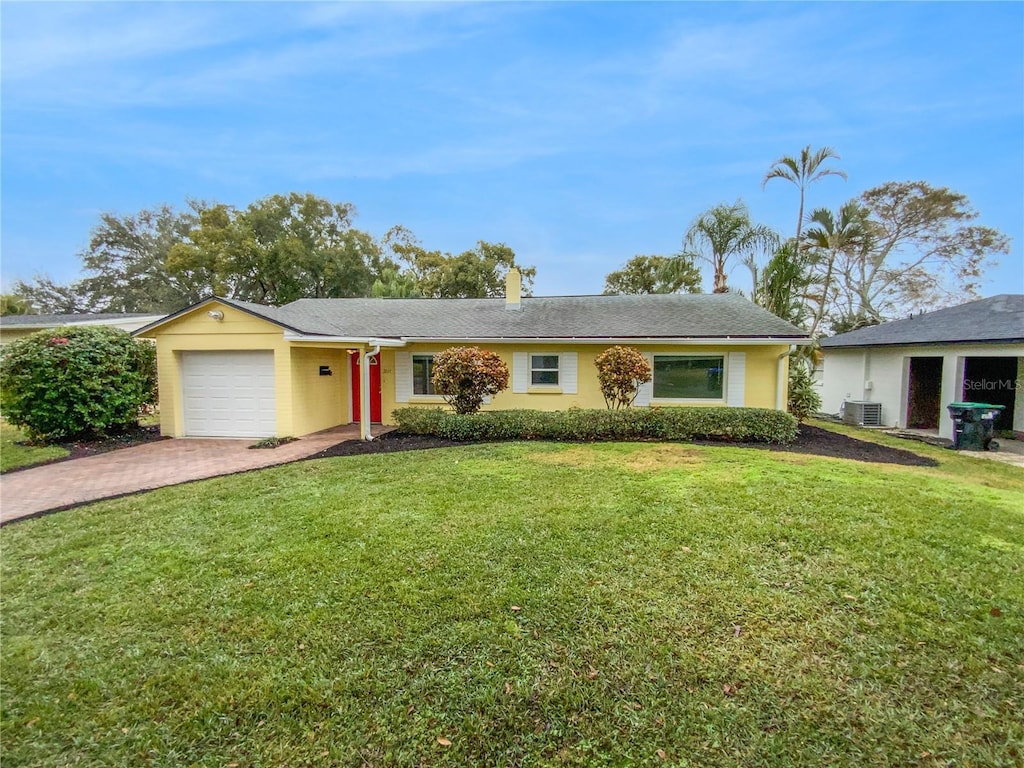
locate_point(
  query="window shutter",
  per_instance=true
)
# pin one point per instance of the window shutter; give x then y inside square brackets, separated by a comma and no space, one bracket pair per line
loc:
[403,377]
[567,363]
[736,382]
[646,391]
[520,371]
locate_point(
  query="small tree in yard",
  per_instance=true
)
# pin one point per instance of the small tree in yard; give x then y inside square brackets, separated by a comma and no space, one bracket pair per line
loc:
[76,382]
[621,371]
[804,399]
[464,376]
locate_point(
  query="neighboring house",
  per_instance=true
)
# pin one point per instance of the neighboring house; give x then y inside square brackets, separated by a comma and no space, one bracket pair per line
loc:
[916,367]
[15,326]
[234,369]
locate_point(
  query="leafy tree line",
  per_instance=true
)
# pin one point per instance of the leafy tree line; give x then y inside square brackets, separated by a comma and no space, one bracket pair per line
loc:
[897,247]
[274,251]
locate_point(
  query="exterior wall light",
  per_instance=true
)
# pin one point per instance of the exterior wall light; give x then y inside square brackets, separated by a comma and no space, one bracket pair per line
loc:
[216,314]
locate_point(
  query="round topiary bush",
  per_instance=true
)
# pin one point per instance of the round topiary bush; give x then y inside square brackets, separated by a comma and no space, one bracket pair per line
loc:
[464,376]
[76,382]
[621,371]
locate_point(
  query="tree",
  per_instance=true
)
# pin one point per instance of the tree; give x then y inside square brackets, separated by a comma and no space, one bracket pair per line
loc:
[477,273]
[781,284]
[919,251]
[127,261]
[831,237]
[654,274]
[279,249]
[126,266]
[802,172]
[76,381]
[46,297]
[804,399]
[620,372]
[722,232]
[11,304]
[464,376]
[395,284]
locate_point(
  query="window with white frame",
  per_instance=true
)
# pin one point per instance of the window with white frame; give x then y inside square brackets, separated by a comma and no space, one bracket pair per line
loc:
[423,375]
[689,377]
[544,370]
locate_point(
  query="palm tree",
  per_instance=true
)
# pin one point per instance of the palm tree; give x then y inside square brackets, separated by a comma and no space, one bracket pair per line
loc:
[831,237]
[722,232]
[803,172]
[781,284]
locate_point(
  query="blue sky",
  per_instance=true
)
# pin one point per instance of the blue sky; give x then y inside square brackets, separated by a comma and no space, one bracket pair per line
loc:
[580,134]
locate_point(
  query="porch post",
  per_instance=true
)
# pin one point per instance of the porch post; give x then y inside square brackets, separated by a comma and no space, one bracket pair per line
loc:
[365,414]
[364,396]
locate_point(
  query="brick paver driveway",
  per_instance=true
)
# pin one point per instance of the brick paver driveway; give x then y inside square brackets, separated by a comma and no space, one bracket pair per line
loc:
[144,467]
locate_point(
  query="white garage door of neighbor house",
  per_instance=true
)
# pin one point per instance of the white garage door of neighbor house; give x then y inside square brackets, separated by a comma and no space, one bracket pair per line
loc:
[228,394]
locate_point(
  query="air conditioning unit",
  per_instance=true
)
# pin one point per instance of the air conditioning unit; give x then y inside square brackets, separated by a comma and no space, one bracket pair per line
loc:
[862,413]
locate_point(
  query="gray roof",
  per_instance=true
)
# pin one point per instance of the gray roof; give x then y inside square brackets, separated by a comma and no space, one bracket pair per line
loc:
[585,317]
[52,321]
[996,319]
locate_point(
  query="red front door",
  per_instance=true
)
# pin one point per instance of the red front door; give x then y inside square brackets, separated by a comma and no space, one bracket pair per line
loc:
[357,381]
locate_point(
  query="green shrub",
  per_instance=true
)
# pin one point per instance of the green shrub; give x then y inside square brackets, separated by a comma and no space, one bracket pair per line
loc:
[733,424]
[76,382]
[464,376]
[620,372]
[804,398]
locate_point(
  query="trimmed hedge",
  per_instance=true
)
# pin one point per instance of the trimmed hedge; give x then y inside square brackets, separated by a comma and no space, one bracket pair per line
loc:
[756,425]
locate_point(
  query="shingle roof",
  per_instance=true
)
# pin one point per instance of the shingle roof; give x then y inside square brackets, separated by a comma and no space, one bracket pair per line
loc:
[999,318]
[652,316]
[52,321]
[668,316]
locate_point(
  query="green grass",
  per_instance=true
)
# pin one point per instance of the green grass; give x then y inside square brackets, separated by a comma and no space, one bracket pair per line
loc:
[14,453]
[533,604]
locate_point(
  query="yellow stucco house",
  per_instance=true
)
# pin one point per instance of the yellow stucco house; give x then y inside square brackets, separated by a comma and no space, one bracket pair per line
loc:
[235,369]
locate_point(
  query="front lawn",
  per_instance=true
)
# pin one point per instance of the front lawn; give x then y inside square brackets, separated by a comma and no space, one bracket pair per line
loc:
[14,452]
[527,604]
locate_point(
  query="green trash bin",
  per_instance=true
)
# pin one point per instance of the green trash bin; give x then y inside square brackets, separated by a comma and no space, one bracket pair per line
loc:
[974,425]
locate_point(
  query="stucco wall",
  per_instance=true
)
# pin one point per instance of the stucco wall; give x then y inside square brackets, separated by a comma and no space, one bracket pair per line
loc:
[762,366]
[881,374]
[307,402]
[319,402]
[197,331]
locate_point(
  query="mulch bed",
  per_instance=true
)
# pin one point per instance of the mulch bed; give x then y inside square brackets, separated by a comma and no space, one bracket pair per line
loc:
[822,442]
[79,449]
[814,441]
[127,439]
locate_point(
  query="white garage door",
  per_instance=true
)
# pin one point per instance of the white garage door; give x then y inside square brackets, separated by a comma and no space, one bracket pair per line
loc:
[228,394]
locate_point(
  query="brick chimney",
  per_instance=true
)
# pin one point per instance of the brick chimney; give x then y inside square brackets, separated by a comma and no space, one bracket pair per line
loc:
[513,290]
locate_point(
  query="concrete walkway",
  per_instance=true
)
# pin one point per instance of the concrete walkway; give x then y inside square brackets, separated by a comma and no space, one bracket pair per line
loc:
[144,467]
[1010,452]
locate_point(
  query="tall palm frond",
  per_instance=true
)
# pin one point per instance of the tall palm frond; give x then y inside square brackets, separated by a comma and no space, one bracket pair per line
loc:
[723,232]
[802,172]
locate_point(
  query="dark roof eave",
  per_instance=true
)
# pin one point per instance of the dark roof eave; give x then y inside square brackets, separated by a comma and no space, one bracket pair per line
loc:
[825,345]
[771,337]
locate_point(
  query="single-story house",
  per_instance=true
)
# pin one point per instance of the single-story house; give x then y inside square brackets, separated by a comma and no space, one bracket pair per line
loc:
[15,326]
[235,369]
[913,368]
